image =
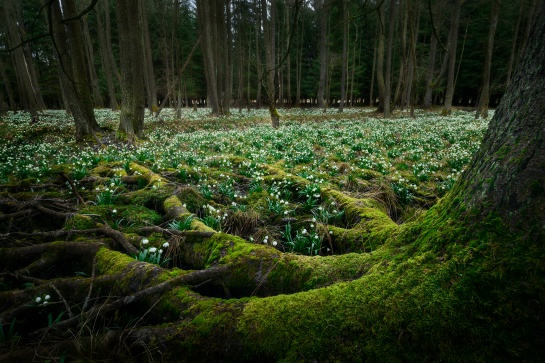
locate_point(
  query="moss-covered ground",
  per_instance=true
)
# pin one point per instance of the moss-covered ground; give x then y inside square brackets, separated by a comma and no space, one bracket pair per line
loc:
[332,238]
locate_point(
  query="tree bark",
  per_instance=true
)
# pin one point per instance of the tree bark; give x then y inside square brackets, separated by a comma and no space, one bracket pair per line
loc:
[380,60]
[7,86]
[105,56]
[149,75]
[270,57]
[453,44]
[322,9]
[258,65]
[29,90]
[482,107]
[131,123]
[207,46]
[344,65]
[388,73]
[90,56]
[513,50]
[438,16]
[69,42]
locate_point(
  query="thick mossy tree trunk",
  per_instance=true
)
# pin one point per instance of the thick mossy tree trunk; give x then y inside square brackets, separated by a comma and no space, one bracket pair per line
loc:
[131,123]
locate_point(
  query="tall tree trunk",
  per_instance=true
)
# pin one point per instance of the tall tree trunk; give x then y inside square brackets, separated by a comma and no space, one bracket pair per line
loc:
[131,123]
[90,56]
[413,31]
[438,17]
[69,40]
[323,10]
[380,60]
[258,65]
[227,58]
[29,89]
[205,26]
[105,57]
[269,36]
[505,177]
[344,56]
[373,73]
[299,61]
[353,68]
[453,44]
[482,107]
[388,72]
[288,55]
[149,75]
[7,86]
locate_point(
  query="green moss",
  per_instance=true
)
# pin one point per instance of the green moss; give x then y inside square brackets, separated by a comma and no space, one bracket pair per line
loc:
[80,222]
[112,262]
[109,169]
[154,180]
[137,215]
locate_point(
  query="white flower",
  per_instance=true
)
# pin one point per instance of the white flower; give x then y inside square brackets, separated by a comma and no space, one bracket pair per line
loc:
[38,299]
[145,241]
[160,251]
[152,250]
[304,231]
[47,297]
[165,245]
[314,219]
[114,211]
[274,243]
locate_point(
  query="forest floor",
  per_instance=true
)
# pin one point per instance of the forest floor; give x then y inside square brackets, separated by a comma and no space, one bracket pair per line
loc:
[300,190]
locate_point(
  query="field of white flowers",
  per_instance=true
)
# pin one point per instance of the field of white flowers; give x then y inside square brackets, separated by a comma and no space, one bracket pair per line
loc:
[404,163]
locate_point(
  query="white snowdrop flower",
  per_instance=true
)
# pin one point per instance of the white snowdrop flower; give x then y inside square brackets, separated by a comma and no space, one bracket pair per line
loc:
[316,237]
[252,239]
[274,243]
[38,299]
[112,185]
[165,245]
[47,297]
[330,232]
[97,188]
[145,241]
[160,251]
[152,250]
[45,303]
[286,212]
[332,203]
[314,219]
[304,231]
[114,211]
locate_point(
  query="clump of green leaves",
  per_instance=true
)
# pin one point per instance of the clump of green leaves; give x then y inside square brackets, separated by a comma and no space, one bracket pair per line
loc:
[151,254]
[306,242]
[181,225]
